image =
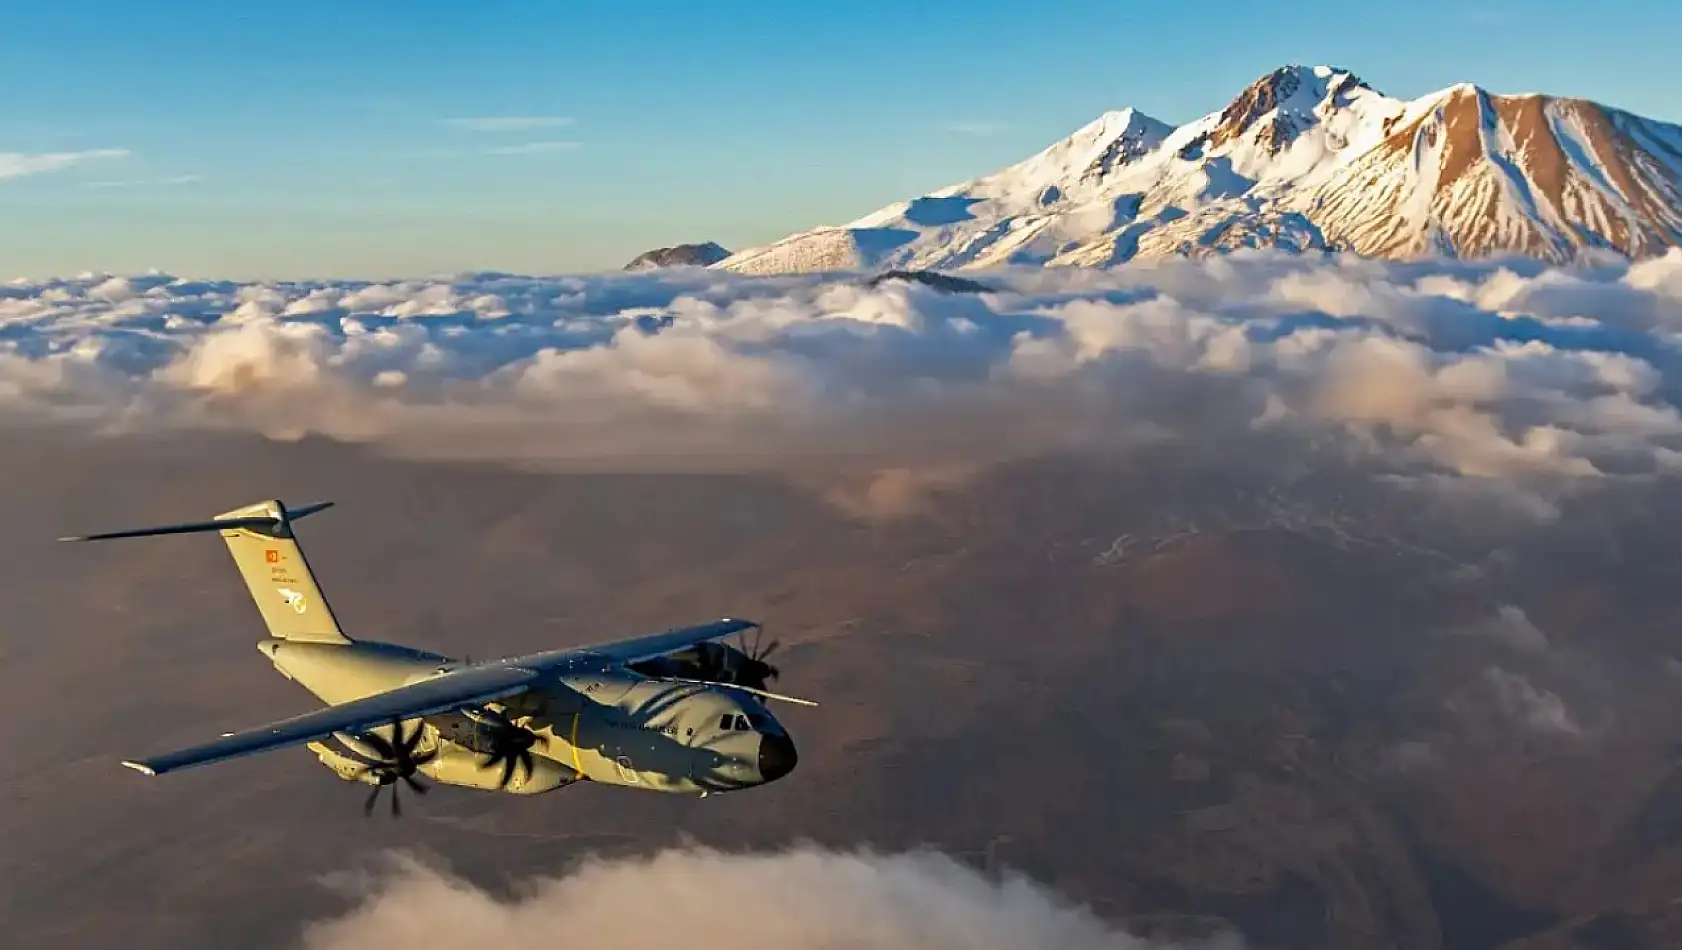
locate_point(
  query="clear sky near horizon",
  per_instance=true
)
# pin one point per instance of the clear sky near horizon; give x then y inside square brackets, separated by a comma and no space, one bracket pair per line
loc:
[381,138]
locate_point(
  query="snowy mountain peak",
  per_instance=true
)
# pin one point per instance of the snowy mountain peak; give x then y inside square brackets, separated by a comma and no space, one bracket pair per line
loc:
[1117,139]
[1303,158]
[1273,112]
[1292,89]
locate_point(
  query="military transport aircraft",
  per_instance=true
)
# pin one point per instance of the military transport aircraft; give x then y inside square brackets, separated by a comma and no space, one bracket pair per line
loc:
[676,712]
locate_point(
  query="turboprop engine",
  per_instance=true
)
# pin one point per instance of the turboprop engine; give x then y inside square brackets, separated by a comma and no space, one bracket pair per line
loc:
[373,760]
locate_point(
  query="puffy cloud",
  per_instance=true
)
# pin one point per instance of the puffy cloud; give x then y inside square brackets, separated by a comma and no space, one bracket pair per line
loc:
[802,898]
[1496,373]
[1537,709]
[1511,628]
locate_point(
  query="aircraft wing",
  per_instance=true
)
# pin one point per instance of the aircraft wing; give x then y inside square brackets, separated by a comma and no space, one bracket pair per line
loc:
[467,687]
[634,649]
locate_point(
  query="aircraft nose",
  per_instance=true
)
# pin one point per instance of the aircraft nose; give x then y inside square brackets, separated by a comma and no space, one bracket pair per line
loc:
[776,756]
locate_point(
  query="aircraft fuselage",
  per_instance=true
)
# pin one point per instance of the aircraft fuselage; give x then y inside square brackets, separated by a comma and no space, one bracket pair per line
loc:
[611,726]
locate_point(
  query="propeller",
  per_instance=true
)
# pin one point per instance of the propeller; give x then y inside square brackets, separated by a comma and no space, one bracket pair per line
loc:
[754,671]
[396,760]
[717,665]
[508,744]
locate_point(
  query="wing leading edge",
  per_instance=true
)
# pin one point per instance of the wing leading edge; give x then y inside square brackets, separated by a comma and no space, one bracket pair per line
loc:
[649,646]
[440,694]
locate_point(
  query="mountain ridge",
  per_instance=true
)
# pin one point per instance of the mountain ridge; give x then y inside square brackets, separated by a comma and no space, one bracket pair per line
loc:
[1305,158]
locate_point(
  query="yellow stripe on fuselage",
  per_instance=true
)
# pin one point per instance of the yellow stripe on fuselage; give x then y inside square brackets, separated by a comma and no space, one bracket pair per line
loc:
[576,767]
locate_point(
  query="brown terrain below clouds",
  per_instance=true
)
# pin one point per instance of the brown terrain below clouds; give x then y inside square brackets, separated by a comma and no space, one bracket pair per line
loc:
[1329,712]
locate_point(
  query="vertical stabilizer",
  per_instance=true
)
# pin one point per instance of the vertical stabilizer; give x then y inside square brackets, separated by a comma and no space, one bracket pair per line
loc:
[272,563]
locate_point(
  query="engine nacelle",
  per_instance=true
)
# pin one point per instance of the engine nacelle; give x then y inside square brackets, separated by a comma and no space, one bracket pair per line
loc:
[458,766]
[342,765]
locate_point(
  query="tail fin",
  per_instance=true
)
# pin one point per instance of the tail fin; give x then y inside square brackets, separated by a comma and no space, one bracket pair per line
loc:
[269,558]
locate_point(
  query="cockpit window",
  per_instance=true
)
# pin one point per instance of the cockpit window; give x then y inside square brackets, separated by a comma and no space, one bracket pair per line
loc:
[727,721]
[756,721]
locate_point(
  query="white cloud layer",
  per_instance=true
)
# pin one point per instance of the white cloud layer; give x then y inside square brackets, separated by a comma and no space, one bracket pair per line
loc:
[20,164]
[1516,374]
[803,899]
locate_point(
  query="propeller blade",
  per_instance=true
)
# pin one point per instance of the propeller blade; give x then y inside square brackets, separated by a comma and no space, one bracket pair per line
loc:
[377,742]
[368,805]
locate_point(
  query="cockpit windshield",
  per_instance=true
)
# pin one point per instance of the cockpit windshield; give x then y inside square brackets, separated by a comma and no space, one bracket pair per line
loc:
[737,722]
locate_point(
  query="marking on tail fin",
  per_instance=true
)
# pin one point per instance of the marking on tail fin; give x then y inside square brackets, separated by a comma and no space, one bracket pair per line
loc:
[293,599]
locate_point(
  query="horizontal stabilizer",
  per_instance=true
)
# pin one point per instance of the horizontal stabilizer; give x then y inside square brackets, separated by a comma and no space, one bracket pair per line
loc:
[258,522]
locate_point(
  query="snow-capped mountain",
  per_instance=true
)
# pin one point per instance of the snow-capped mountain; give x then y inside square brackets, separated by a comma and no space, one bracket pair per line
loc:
[1304,158]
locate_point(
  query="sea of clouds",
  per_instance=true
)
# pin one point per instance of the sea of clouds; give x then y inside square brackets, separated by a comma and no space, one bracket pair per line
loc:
[1495,370]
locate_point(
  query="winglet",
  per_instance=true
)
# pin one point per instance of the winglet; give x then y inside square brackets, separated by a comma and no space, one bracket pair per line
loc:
[140,767]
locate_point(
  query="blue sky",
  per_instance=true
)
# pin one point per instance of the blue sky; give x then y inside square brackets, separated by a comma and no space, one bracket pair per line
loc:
[316,139]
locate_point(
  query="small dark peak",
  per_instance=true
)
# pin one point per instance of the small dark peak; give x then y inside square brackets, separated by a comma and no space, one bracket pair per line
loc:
[1050,195]
[941,282]
[682,255]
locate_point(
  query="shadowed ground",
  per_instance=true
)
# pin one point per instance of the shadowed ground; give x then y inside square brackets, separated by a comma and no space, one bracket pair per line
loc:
[1179,692]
